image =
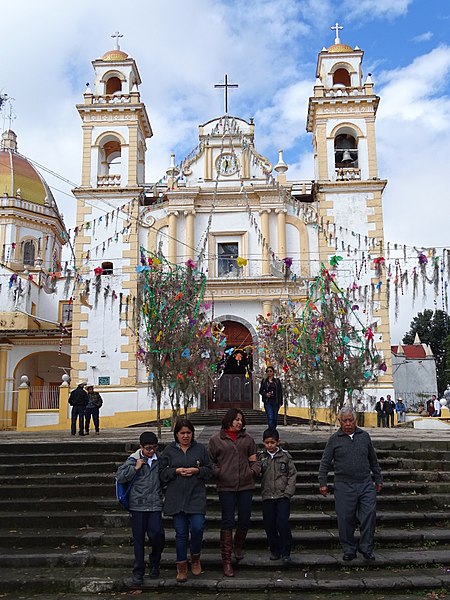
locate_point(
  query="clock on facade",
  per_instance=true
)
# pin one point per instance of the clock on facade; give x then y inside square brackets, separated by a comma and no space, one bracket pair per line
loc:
[227,164]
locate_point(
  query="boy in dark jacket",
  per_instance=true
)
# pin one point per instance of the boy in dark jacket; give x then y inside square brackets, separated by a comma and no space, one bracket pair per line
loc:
[145,500]
[279,477]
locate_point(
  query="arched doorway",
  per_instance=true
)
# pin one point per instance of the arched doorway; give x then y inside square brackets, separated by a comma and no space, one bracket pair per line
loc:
[235,386]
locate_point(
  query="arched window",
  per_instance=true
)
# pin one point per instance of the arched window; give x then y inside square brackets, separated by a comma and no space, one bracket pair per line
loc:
[110,156]
[113,85]
[28,253]
[341,77]
[345,150]
[108,268]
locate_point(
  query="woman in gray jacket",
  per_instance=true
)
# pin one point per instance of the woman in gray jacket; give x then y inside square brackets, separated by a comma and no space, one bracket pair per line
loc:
[184,469]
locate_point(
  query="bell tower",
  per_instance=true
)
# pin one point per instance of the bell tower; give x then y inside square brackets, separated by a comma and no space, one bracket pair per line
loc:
[115,129]
[341,118]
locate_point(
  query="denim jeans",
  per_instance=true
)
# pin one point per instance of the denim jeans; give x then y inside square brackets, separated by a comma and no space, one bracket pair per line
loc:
[184,524]
[229,501]
[276,523]
[272,414]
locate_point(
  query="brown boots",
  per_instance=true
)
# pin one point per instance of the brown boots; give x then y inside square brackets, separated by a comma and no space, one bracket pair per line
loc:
[226,547]
[196,567]
[239,539]
[182,571]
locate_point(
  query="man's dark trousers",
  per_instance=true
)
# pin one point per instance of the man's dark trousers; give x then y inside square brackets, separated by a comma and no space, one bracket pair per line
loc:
[356,501]
[77,413]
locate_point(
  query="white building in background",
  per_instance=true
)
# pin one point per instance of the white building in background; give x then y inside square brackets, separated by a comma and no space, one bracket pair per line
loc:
[222,202]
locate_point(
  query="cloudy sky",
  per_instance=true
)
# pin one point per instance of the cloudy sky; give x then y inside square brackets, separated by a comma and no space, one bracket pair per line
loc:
[268,47]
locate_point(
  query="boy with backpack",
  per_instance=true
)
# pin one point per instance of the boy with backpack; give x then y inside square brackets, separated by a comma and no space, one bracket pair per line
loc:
[279,477]
[145,499]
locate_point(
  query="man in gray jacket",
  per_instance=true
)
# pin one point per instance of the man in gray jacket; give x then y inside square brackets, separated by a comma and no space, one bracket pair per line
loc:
[351,454]
[145,501]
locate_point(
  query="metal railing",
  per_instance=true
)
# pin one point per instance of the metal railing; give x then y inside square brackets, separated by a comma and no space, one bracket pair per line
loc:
[44,398]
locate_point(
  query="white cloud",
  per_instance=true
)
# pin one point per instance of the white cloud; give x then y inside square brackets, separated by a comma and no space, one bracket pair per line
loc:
[413,129]
[423,37]
[368,9]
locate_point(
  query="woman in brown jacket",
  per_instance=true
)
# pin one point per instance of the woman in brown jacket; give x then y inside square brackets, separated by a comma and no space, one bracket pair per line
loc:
[233,455]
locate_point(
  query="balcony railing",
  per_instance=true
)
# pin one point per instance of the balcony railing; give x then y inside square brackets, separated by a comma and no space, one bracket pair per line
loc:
[108,181]
[44,398]
[347,173]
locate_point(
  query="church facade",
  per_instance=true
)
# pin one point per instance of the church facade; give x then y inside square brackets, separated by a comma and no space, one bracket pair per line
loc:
[224,207]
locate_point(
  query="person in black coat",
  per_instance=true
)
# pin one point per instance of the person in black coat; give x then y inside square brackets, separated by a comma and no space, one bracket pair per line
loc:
[271,392]
[78,400]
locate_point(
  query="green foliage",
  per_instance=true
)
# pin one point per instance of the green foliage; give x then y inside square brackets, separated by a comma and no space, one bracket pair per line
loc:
[433,328]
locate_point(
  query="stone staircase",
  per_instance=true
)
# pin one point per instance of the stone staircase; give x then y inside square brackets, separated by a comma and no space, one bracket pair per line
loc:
[63,535]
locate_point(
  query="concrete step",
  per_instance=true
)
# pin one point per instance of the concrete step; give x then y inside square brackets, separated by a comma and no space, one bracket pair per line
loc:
[311,502]
[423,572]
[100,542]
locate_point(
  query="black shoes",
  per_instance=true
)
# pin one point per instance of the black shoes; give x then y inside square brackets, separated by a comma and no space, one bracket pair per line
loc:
[274,556]
[136,580]
[154,571]
[287,560]
[349,557]
[368,555]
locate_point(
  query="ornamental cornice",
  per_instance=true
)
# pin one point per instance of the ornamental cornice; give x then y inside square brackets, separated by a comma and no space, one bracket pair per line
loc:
[365,185]
[256,288]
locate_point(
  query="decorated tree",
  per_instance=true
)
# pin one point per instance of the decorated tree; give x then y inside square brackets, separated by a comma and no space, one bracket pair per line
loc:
[336,350]
[177,344]
[278,333]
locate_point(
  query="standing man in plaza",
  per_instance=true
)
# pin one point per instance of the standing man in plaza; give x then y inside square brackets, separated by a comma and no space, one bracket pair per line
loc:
[350,453]
[93,407]
[78,400]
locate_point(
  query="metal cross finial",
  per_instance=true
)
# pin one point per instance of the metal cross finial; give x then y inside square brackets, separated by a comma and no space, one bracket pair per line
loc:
[117,35]
[337,28]
[226,85]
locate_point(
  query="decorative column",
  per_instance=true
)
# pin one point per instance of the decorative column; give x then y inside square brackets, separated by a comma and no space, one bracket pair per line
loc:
[267,309]
[281,223]
[64,416]
[172,242]
[189,214]
[4,350]
[265,231]
[22,403]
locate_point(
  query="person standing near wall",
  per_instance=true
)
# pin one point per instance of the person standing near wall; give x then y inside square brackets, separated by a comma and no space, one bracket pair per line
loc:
[78,400]
[400,409]
[93,407]
[360,409]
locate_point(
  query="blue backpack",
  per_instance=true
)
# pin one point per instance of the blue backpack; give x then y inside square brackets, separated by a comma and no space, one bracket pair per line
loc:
[123,492]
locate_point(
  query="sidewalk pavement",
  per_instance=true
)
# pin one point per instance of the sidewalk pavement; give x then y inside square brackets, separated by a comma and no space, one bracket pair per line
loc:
[290,434]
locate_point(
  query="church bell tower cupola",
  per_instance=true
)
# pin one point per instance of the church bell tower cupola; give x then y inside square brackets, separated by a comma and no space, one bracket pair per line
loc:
[341,115]
[115,124]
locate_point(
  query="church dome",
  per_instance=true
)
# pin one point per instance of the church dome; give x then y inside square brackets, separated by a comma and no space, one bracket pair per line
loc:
[340,49]
[18,177]
[115,56]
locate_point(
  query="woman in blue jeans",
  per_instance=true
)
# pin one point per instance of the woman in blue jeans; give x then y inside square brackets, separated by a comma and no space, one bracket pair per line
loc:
[184,467]
[271,392]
